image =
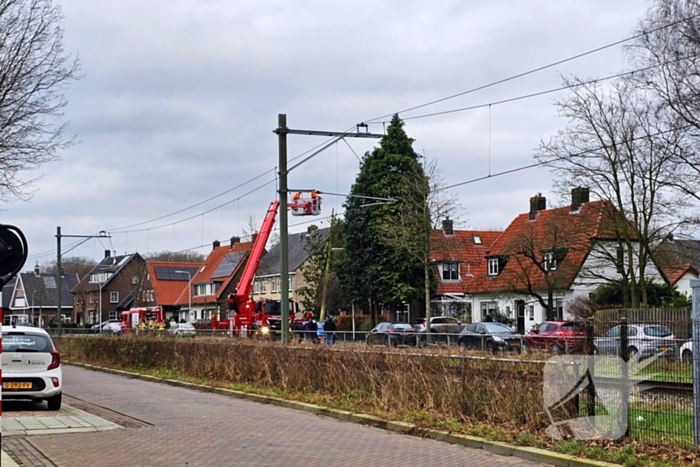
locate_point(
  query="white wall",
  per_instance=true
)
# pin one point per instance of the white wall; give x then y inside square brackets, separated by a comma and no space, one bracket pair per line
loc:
[683,283]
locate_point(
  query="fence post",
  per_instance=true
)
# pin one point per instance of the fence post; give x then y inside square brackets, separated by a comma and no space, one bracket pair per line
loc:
[462,400]
[624,377]
[589,350]
[695,336]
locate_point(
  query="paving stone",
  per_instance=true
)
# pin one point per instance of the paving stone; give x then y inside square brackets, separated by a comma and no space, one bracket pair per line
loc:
[192,428]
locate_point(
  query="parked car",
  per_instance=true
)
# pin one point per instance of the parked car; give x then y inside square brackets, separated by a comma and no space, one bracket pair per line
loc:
[686,352]
[645,340]
[557,337]
[31,366]
[95,328]
[490,336]
[182,330]
[392,334]
[439,325]
[113,327]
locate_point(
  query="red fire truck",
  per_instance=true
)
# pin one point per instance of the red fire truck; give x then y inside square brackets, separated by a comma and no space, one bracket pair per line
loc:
[135,316]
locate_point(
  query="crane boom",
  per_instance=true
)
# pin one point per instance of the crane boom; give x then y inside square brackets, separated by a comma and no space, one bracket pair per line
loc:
[245,284]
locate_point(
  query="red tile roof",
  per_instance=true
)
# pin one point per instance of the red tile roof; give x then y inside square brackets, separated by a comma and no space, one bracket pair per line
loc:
[675,273]
[169,292]
[212,262]
[461,247]
[568,233]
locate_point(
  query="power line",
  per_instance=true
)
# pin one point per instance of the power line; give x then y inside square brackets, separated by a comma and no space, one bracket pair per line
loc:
[532,71]
[537,164]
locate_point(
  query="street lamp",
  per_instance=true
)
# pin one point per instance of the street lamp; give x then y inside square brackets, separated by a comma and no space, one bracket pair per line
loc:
[189,290]
[33,307]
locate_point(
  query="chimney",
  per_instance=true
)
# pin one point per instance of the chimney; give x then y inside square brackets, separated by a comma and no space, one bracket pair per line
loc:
[537,203]
[579,196]
[254,237]
[37,269]
[235,240]
[108,253]
[311,228]
[216,244]
[447,226]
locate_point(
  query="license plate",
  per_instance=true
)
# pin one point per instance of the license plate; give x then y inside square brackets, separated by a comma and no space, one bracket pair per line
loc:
[13,385]
[662,349]
[515,344]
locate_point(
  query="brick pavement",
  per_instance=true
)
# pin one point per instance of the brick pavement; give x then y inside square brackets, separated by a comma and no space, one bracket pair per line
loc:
[191,428]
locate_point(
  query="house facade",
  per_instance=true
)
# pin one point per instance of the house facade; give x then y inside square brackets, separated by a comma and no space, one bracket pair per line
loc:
[267,282]
[545,257]
[214,280]
[115,284]
[33,298]
[171,283]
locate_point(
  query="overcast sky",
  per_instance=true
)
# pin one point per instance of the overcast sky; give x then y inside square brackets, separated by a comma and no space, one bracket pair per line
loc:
[179,100]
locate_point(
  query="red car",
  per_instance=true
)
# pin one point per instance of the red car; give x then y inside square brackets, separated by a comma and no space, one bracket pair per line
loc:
[557,337]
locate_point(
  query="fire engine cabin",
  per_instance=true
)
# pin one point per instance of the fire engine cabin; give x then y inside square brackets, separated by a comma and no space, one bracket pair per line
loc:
[268,315]
[302,206]
[133,317]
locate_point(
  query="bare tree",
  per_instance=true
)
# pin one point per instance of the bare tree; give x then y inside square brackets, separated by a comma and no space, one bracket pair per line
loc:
[625,149]
[667,51]
[79,265]
[34,74]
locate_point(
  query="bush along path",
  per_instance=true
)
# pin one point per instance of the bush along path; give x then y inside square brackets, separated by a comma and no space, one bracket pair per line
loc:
[499,400]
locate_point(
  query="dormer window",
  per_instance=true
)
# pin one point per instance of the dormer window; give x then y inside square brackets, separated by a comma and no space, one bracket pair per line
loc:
[493,267]
[477,239]
[550,261]
[450,271]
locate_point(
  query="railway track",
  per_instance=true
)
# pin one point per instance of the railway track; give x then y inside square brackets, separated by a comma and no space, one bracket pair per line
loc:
[675,388]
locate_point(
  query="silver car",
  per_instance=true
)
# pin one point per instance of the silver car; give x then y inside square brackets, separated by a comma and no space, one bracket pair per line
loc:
[645,340]
[182,330]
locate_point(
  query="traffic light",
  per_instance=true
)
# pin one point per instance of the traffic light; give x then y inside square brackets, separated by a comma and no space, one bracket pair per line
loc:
[13,252]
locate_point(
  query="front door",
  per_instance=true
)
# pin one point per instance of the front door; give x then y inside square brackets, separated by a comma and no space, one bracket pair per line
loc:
[520,313]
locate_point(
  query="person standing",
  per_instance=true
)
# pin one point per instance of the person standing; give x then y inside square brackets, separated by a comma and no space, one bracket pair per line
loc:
[330,328]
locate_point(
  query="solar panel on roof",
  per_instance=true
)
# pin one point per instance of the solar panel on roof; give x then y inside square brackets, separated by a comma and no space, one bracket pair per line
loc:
[228,264]
[168,273]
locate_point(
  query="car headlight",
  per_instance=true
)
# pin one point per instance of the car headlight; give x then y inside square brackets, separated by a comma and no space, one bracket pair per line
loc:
[497,339]
[265,330]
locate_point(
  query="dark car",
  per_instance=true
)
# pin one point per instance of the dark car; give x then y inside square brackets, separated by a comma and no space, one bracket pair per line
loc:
[557,337]
[392,334]
[489,336]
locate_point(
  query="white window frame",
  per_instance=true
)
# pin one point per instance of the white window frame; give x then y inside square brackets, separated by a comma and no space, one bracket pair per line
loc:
[486,308]
[531,311]
[112,296]
[256,287]
[134,280]
[448,268]
[493,266]
[477,240]
[291,283]
[112,315]
[550,261]
[275,285]
[92,298]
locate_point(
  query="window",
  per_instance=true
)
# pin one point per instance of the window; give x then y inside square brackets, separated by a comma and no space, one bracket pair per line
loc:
[99,277]
[450,271]
[135,280]
[151,296]
[203,289]
[531,311]
[263,286]
[558,308]
[493,266]
[275,285]
[488,308]
[477,239]
[508,313]
[112,315]
[114,297]
[291,283]
[550,262]
[256,287]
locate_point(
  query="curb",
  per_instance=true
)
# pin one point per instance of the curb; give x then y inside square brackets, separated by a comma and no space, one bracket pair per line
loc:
[496,447]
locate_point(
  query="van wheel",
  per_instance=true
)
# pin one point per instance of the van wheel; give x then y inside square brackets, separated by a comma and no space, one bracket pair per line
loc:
[54,402]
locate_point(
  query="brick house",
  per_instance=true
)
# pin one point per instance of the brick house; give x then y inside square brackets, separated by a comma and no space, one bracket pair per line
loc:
[116,284]
[34,296]
[171,285]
